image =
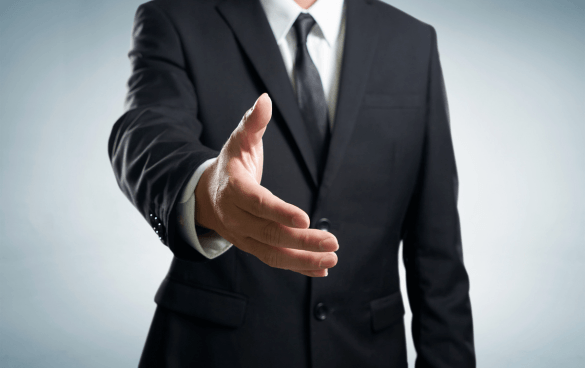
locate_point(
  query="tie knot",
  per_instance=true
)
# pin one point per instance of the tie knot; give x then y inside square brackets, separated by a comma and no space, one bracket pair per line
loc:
[303,26]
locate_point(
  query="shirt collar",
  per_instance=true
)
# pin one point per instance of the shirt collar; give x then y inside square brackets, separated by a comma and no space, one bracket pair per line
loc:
[282,14]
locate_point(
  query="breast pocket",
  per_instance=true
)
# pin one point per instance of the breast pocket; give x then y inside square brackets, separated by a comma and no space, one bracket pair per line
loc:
[393,101]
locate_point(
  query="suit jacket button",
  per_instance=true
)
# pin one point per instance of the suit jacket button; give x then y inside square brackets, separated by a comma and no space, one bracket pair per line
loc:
[323,224]
[320,311]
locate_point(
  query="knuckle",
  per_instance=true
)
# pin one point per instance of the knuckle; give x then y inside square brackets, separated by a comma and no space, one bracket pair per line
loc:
[238,187]
[304,240]
[258,203]
[232,184]
[237,137]
[311,260]
[233,188]
[271,233]
[305,260]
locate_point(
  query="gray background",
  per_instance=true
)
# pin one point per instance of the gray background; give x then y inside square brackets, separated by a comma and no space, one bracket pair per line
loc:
[79,267]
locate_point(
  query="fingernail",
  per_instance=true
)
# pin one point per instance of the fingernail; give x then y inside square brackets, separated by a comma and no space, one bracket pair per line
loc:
[328,245]
[326,272]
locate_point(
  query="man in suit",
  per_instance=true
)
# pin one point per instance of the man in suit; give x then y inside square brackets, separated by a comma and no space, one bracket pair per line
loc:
[346,153]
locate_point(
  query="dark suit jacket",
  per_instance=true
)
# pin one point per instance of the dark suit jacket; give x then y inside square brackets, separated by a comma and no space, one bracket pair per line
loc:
[390,177]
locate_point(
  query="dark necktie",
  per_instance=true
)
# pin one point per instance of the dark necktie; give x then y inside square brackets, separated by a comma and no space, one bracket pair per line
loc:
[310,94]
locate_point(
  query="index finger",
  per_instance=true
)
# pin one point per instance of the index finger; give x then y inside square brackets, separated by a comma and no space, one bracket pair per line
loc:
[259,201]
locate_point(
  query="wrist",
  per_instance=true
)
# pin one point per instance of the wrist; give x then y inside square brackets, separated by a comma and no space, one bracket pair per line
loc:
[204,214]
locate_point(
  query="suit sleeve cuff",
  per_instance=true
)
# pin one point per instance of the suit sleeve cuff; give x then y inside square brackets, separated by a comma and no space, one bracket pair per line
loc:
[209,244]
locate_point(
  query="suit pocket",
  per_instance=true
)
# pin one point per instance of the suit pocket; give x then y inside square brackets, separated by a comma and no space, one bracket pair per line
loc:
[218,306]
[386,311]
[393,101]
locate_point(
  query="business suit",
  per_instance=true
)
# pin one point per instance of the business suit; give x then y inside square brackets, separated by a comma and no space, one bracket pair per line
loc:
[390,176]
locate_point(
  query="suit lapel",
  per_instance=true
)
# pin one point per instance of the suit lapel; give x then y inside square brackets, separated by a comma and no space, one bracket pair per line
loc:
[361,36]
[252,30]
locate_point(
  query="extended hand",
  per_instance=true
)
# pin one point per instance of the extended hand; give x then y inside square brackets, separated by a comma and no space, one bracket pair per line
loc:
[231,201]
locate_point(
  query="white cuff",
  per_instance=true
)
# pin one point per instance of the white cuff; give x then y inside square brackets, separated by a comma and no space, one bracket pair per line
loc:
[210,245]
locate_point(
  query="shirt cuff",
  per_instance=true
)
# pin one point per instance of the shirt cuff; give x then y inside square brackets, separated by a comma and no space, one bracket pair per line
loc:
[210,244]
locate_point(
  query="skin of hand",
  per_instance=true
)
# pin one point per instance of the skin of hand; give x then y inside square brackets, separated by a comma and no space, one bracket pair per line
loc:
[230,200]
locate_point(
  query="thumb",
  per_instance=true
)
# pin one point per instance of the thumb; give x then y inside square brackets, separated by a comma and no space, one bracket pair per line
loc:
[254,122]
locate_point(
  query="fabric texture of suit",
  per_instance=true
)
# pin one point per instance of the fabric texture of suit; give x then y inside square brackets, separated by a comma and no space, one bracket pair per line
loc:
[390,177]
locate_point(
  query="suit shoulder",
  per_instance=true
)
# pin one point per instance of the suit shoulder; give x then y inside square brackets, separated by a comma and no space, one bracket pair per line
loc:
[181,13]
[397,18]
[173,7]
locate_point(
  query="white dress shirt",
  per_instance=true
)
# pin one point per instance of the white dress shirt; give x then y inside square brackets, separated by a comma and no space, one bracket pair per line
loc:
[325,45]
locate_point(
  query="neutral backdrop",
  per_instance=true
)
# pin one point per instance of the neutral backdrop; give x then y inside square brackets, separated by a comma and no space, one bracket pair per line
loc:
[79,267]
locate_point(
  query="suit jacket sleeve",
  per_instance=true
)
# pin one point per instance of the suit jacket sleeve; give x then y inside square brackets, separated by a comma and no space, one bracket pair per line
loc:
[155,147]
[437,282]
